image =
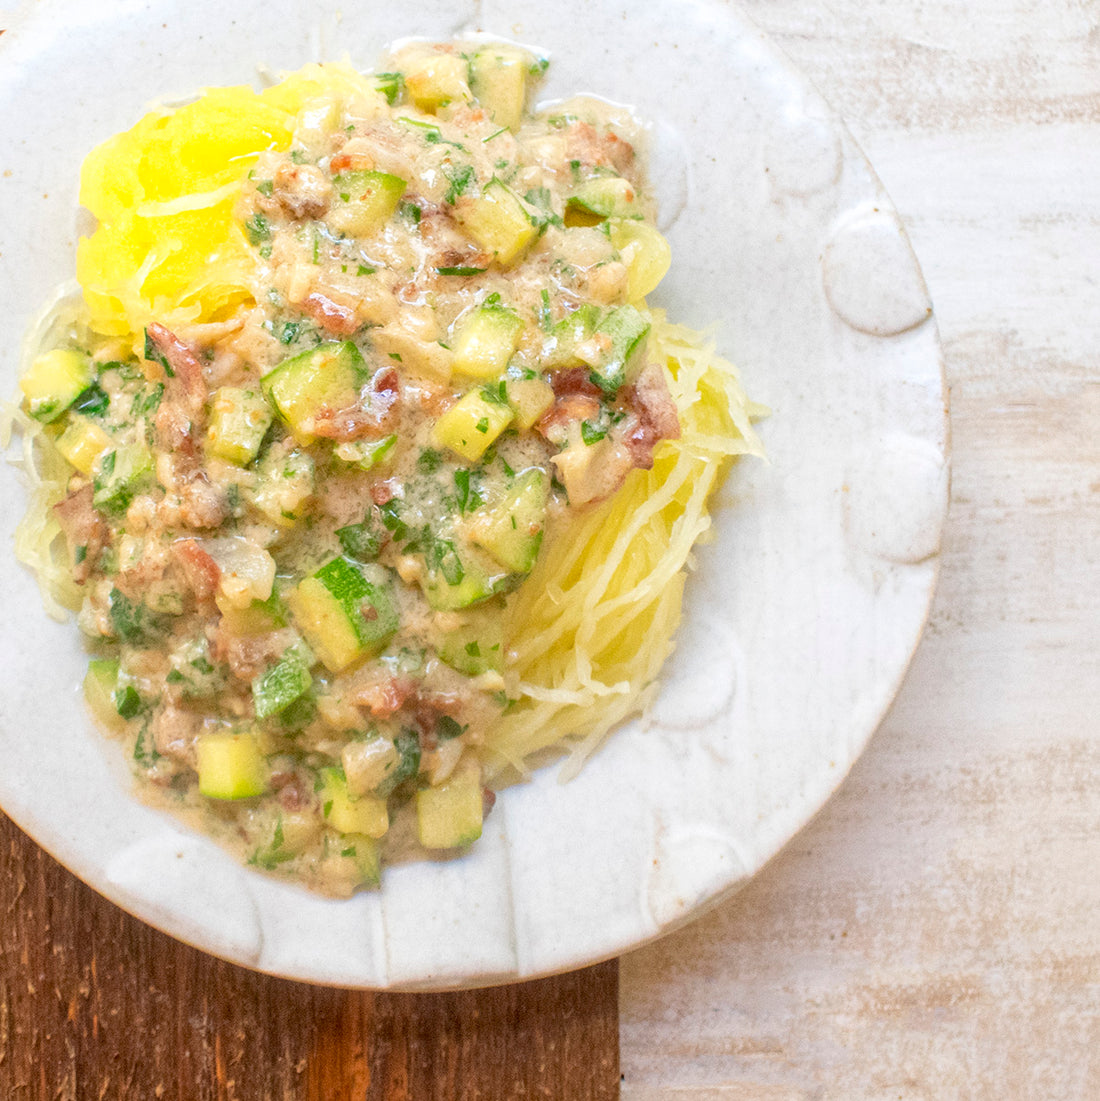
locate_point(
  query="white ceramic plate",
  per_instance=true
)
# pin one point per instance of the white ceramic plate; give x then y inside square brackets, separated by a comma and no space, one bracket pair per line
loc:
[801,618]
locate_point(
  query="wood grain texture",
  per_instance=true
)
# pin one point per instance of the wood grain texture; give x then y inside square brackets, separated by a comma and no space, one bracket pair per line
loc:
[95,1005]
[935,932]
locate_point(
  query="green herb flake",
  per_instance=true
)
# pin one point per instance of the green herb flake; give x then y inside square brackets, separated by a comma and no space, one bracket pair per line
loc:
[592,433]
[391,85]
[265,187]
[258,229]
[447,728]
[461,270]
[460,181]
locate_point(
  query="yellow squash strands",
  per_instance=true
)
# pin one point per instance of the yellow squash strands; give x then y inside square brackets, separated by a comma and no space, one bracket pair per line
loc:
[595,621]
[167,247]
[588,631]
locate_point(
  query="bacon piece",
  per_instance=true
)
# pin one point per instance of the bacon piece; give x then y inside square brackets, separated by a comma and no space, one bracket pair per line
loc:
[199,569]
[334,317]
[302,190]
[651,417]
[83,527]
[185,383]
[584,143]
[383,698]
[350,162]
[574,380]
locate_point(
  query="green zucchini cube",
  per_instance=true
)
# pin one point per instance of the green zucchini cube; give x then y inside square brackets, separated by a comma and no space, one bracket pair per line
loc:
[606,197]
[485,342]
[326,377]
[497,221]
[55,380]
[498,80]
[363,202]
[239,420]
[471,425]
[511,529]
[230,766]
[627,329]
[347,813]
[450,815]
[346,611]
[121,474]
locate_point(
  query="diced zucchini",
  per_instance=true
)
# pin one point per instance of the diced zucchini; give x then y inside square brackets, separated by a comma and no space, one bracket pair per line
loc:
[437,80]
[511,530]
[606,197]
[366,454]
[346,611]
[82,443]
[230,766]
[529,399]
[477,645]
[485,341]
[100,685]
[354,861]
[498,221]
[284,486]
[573,329]
[450,815]
[346,813]
[626,329]
[367,763]
[645,252]
[363,202]
[120,474]
[55,380]
[328,376]
[239,420]
[471,425]
[473,586]
[407,767]
[281,684]
[498,80]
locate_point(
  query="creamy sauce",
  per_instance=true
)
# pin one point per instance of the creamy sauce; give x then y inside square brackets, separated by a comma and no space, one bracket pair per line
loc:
[296,528]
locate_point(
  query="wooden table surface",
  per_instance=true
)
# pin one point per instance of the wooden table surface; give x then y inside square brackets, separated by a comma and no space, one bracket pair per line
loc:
[935,932]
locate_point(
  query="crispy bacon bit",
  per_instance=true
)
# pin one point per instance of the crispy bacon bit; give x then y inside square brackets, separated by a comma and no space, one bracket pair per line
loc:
[302,190]
[574,380]
[381,696]
[350,162]
[334,317]
[186,383]
[248,655]
[85,531]
[584,143]
[373,420]
[652,416]
[199,570]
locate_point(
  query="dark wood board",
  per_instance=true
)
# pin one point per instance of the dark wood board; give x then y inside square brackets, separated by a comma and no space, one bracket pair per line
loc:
[96,1005]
